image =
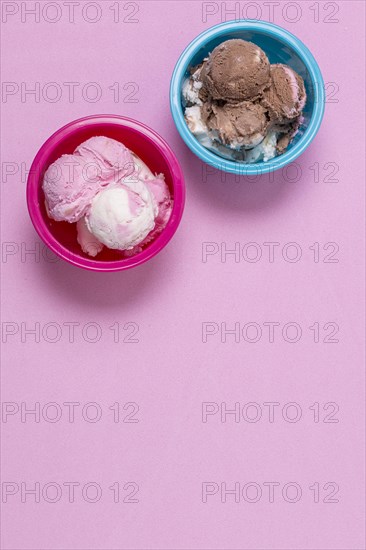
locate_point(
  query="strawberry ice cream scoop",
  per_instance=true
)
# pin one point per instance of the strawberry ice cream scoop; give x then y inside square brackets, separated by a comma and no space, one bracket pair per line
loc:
[69,188]
[121,216]
[111,159]
[161,196]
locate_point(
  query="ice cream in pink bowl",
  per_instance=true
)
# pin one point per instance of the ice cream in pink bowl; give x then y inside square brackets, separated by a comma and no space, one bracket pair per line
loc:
[105,193]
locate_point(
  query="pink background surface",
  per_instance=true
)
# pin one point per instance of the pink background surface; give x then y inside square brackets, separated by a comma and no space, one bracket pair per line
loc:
[170,372]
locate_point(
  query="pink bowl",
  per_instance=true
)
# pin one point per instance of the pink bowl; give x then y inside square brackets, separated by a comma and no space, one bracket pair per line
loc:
[147,144]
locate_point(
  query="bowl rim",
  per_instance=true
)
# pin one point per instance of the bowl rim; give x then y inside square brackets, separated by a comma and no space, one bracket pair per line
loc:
[208,156]
[38,167]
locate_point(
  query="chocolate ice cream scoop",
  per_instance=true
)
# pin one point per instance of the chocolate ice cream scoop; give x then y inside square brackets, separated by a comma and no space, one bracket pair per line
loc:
[236,70]
[237,125]
[286,96]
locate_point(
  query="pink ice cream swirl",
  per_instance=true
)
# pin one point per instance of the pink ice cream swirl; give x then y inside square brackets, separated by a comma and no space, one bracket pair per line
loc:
[299,98]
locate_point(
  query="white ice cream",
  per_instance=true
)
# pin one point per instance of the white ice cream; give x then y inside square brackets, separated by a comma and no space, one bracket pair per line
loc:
[122,216]
[265,151]
[89,244]
[198,127]
[191,88]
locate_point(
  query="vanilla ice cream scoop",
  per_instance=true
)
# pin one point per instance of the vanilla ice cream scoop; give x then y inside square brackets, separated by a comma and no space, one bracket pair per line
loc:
[89,244]
[121,216]
[69,188]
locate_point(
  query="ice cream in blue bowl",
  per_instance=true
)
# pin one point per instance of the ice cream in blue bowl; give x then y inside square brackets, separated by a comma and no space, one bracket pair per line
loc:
[247,97]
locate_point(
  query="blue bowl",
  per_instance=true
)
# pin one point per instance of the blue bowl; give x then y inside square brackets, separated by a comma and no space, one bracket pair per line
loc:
[281,47]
